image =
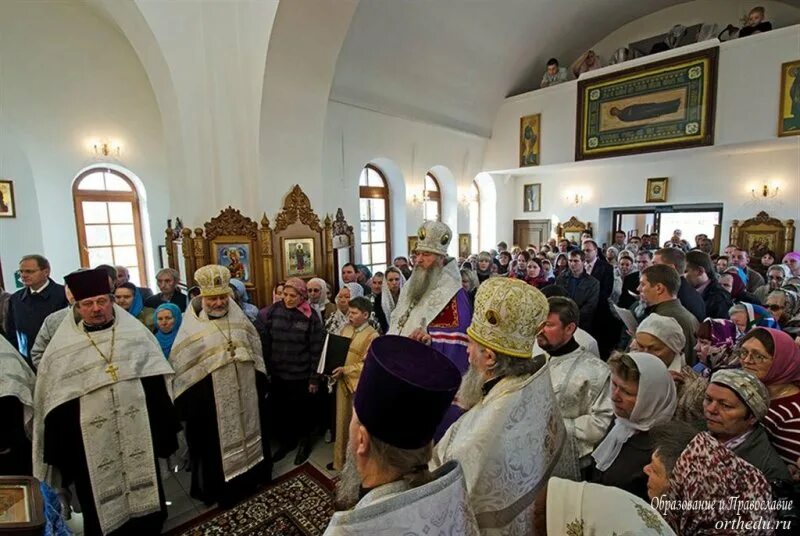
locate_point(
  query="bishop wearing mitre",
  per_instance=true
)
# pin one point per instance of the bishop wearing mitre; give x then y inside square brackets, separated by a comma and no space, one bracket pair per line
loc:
[220,393]
[103,412]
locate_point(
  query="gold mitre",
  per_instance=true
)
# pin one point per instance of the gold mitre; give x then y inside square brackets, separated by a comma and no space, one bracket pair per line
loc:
[213,280]
[434,237]
[508,315]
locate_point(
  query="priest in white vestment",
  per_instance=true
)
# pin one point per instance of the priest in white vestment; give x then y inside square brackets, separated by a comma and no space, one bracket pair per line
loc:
[512,437]
[103,412]
[433,307]
[581,380]
[385,487]
[220,393]
[16,411]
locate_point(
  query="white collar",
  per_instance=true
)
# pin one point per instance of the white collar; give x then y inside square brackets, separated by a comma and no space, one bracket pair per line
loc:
[46,283]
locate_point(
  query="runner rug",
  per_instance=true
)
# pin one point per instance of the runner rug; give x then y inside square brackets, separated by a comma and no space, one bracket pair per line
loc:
[299,503]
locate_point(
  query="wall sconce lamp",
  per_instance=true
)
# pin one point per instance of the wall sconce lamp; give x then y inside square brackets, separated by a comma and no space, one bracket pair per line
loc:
[417,199]
[105,149]
[765,192]
[574,199]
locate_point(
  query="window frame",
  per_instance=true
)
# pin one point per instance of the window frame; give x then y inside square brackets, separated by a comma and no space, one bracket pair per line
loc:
[108,196]
[433,196]
[377,192]
[477,202]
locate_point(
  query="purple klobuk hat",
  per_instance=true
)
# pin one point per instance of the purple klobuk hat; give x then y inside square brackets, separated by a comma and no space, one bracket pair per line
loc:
[88,283]
[404,390]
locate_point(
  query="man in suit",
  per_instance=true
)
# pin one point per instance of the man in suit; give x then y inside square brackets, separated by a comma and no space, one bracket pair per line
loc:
[605,328]
[687,295]
[29,306]
[581,287]
[630,284]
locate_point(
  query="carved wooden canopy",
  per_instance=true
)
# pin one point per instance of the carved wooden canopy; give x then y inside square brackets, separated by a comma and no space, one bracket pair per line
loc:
[763,233]
[230,222]
[297,207]
[572,225]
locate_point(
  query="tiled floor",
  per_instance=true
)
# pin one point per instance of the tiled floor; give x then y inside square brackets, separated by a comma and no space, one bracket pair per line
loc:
[182,508]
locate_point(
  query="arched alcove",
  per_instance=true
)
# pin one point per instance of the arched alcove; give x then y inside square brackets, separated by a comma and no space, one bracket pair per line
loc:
[397,202]
[449,197]
[488,209]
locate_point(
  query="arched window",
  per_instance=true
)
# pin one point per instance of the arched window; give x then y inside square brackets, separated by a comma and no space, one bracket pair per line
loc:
[475,216]
[373,193]
[432,209]
[107,217]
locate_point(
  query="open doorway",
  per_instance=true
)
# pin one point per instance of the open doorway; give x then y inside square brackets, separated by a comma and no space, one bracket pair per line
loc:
[662,221]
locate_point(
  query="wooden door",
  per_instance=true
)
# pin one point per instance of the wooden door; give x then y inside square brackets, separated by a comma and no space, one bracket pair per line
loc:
[536,232]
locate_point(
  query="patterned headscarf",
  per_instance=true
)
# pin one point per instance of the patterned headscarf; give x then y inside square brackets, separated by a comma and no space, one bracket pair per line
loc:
[583,508]
[715,340]
[708,471]
[791,255]
[747,386]
[758,316]
[356,290]
[300,286]
[323,299]
[786,360]
[655,403]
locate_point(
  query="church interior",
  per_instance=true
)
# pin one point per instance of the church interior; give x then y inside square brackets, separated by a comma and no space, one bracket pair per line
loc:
[291,139]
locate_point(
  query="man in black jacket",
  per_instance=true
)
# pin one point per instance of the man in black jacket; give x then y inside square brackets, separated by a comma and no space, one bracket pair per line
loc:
[581,287]
[687,295]
[28,307]
[701,275]
[605,328]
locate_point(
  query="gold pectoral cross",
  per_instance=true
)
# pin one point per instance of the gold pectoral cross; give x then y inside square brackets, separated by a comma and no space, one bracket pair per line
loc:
[232,348]
[112,370]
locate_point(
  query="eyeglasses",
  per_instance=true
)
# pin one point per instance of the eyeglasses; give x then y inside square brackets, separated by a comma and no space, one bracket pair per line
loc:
[774,307]
[743,354]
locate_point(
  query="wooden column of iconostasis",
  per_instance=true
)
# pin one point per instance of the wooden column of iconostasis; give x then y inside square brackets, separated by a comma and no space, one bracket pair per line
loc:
[260,255]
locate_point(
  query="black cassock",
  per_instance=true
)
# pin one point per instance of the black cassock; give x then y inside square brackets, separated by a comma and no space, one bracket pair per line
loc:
[198,411]
[15,447]
[63,448]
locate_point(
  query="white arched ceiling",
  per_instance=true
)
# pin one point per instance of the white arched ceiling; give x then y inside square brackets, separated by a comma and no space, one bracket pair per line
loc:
[206,63]
[452,62]
[303,48]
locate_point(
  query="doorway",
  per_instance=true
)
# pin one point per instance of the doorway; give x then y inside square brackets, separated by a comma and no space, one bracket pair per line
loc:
[536,232]
[662,221]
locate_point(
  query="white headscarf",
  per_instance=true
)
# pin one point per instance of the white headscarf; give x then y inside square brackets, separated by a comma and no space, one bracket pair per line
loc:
[356,290]
[600,509]
[655,403]
[387,300]
[667,330]
[323,300]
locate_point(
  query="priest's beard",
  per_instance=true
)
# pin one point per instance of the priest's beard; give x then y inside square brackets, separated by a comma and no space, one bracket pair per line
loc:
[216,312]
[471,390]
[421,281]
[349,485]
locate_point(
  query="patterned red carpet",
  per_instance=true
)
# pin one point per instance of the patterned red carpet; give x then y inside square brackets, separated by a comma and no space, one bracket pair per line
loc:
[300,503]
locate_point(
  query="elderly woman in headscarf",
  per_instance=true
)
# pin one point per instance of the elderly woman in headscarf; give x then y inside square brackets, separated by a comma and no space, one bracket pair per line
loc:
[338,319]
[735,405]
[784,304]
[663,337]
[291,338]
[773,357]
[716,338]
[733,280]
[776,276]
[568,507]
[694,468]
[167,319]
[318,298]
[243,300]
[747,316]
[792,260]
[643,395]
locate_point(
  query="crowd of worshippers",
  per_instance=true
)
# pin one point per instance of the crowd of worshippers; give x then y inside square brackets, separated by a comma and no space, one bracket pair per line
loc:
[560,389]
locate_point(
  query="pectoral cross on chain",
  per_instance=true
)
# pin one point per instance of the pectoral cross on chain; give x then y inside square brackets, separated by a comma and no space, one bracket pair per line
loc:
[232,348]
[112,370]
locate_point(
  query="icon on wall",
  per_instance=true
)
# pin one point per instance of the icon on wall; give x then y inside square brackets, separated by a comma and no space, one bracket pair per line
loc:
[656,190]
[8,208]
[532,198]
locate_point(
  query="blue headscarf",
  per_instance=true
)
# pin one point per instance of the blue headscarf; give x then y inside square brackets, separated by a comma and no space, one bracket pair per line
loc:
[138,303]
[166,339]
